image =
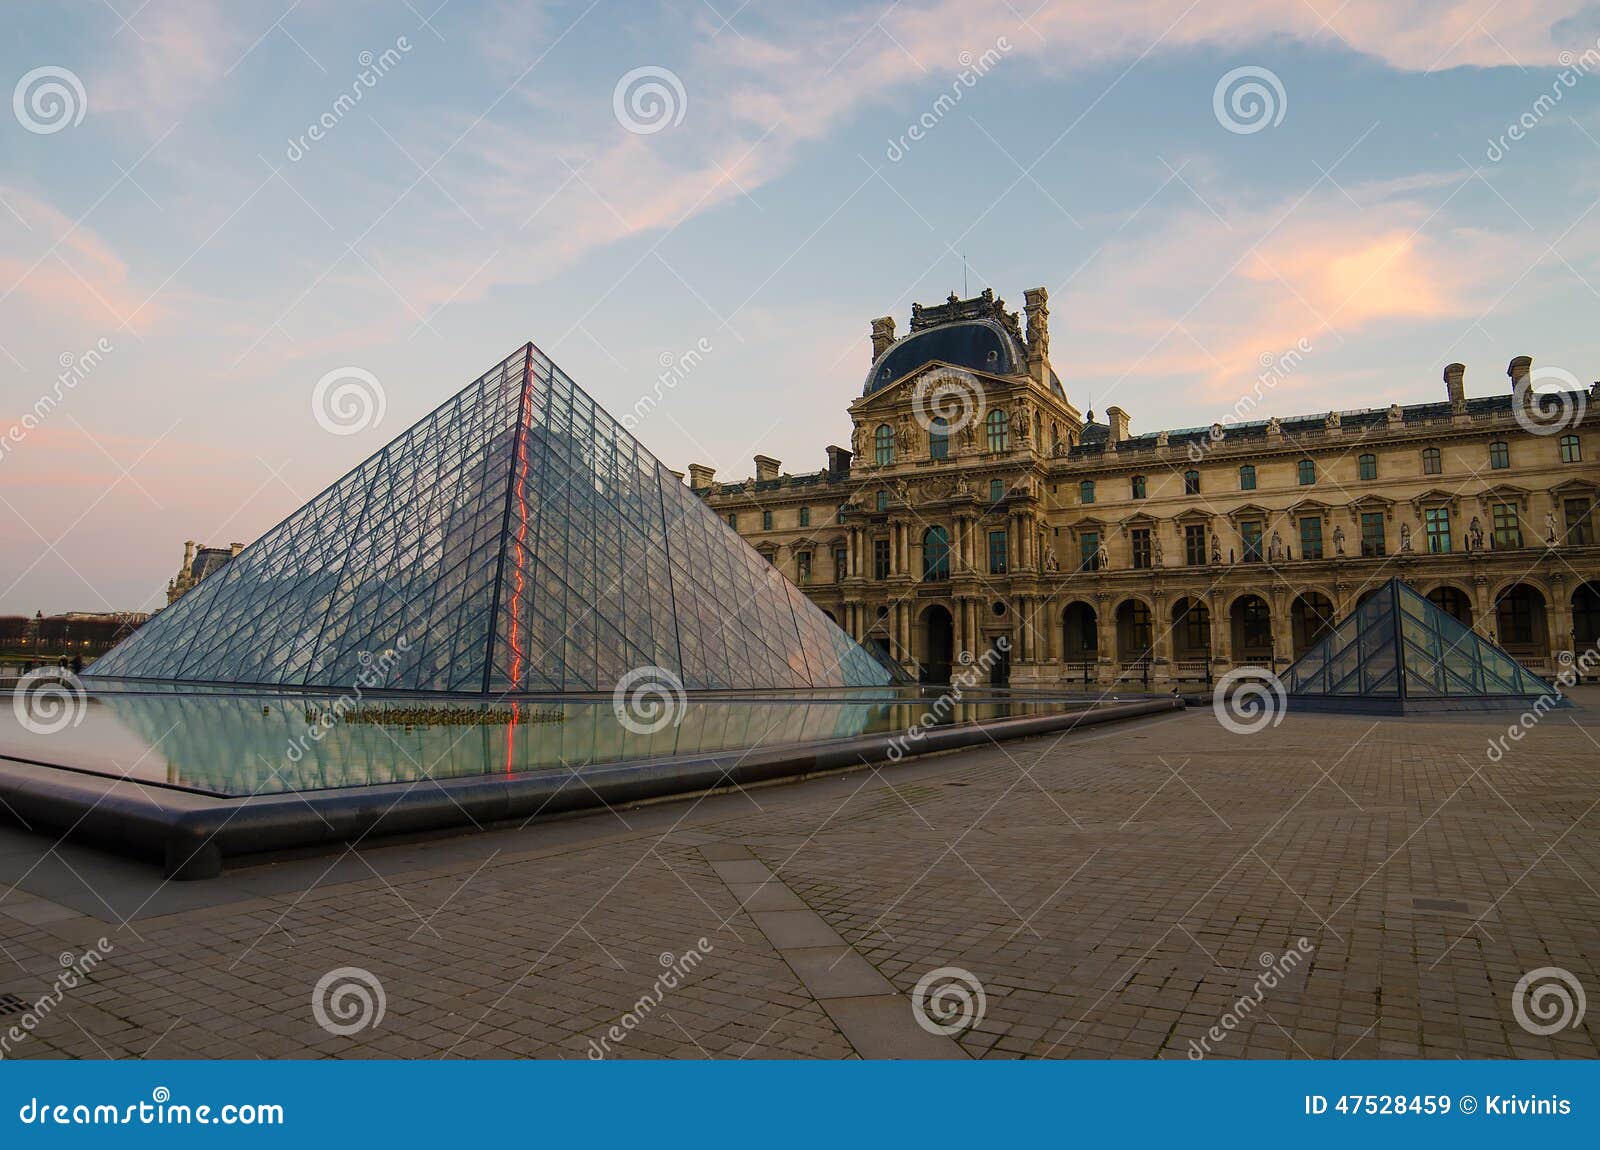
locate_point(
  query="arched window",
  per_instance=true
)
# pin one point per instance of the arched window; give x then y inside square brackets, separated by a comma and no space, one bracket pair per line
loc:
[883,441]
[1367,466]
[939,438]
[1308,472]
[1499,455]
[1138,487]
[1432,461]
[999,426]
[1247,477]
[1086,491]
[935,554]
[1191,482]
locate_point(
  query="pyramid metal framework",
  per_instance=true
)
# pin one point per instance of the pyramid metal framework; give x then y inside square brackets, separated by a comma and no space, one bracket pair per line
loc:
[516,539]
[1397,651]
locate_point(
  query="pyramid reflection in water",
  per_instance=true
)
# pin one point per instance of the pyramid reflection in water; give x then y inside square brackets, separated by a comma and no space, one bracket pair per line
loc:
[516,539]
[1398,652]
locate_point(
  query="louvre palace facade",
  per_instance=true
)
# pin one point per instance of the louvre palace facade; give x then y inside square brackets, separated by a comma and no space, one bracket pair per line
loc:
[979,512]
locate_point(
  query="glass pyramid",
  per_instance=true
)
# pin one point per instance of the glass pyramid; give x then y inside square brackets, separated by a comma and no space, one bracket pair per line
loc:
[1399,647]
[516,539]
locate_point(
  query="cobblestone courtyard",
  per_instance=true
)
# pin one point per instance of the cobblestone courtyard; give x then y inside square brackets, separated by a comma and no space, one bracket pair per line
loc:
[1115,893]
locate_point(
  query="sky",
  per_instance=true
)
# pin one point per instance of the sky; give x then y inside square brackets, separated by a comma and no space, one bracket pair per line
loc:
[243,245]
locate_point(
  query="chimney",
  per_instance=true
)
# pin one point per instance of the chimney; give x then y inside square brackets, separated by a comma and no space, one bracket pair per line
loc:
[766,468]
[234,549]
[882,335]
[188,554]
[1518,370]
[1036,303]
[701,476]
[1455,384]
[838,461]
[1117,421]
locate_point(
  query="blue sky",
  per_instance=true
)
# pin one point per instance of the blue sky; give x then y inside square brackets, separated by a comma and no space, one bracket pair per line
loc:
[484,191]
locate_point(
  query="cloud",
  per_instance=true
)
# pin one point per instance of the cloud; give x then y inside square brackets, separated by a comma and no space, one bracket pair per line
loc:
[66,268]
[172,58]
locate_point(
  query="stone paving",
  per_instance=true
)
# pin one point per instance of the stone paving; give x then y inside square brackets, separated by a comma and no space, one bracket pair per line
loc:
[1114,892]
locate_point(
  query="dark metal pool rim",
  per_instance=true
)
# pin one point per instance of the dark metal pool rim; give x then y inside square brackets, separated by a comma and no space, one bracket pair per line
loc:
[191,835]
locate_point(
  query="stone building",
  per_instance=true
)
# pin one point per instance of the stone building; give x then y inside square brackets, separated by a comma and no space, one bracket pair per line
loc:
[198,562]
[977,503]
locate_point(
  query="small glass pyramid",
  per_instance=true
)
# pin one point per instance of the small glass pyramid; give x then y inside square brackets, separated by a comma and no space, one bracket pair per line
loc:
[516,539]
[1400,650]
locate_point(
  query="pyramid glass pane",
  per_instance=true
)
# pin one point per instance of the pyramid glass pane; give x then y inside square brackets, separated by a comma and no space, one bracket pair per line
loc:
[516,539]
[1398,644]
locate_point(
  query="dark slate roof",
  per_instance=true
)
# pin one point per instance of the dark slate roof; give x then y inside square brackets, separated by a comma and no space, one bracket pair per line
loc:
[977,344]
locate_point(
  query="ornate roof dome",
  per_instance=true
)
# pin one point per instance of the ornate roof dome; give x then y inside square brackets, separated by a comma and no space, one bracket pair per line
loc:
[976,344]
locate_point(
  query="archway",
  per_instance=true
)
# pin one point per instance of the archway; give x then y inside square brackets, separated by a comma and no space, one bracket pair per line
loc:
[1453,602]
[1250,622]
[1310,619]
[1080,633]
[1133,631]
[1191,631]
[1520,627]
[938,644]
[1586,616]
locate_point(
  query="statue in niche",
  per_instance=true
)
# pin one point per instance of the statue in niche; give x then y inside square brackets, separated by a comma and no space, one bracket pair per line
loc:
[1275,549]
[1155,552]
[903,434]
[1475,535]
[1216,550]
[858,441]
[1338,540]
[962,487]
[967,436]
[1552,534]
[1405,538]
[902,492]
[1051,564]
[1102,558]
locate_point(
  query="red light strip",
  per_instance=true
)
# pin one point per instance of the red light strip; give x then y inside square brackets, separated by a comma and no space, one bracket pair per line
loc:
[524,416]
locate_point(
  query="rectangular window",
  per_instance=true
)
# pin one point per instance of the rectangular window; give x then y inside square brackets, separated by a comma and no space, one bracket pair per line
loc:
[841,564]
[802,567]
[1307,471]
[1577,513]
[1507,531]
[805,517]
[997,490]
[1194,546]
[1250,535]
[1372,533]
[733,521]
[1367,467]
[880,558]
[1432,461]
[997,552]
[1141,546]
[1311,537]
[939,439]
[1436,520]
[1089,543]
[1086,491]
[883,501]
[1499,456]
[766,521]
[1247,477]
[1571,449]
